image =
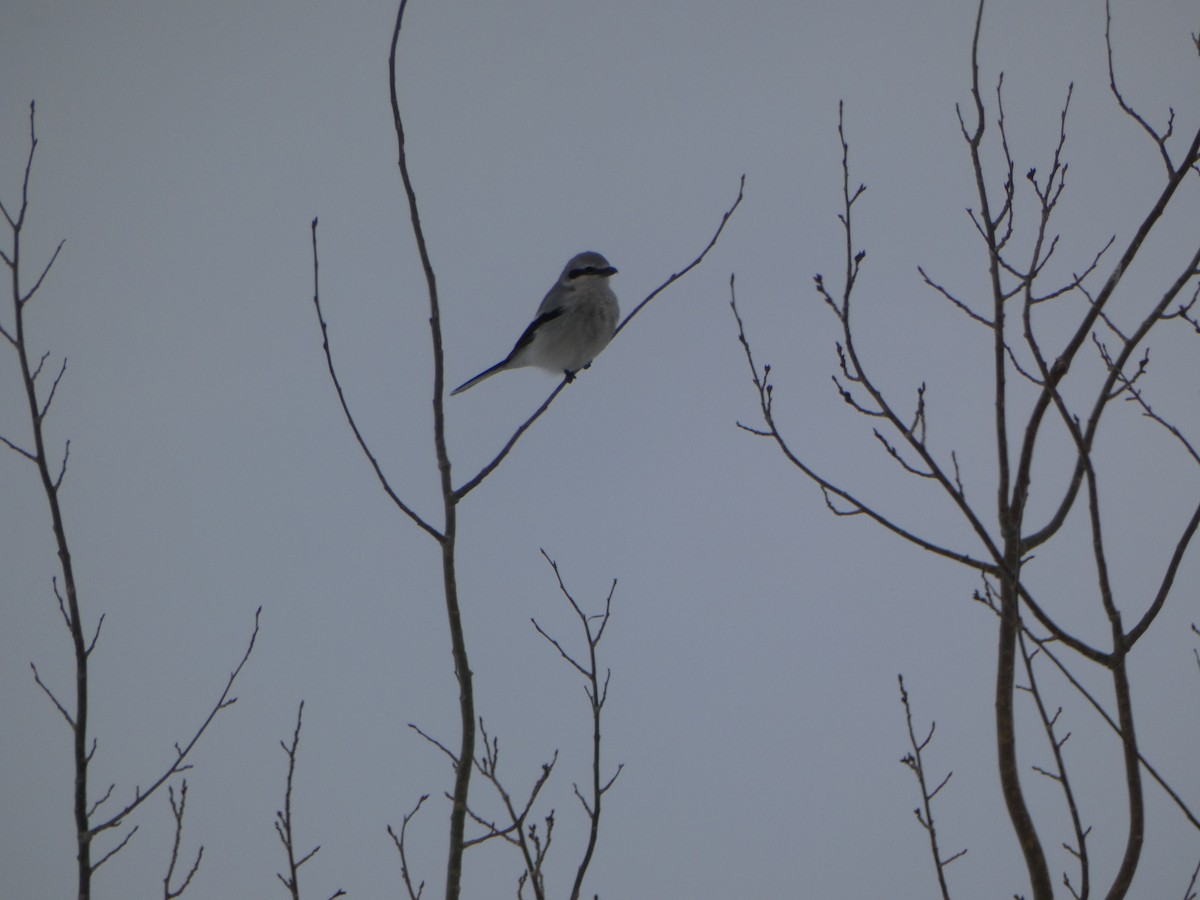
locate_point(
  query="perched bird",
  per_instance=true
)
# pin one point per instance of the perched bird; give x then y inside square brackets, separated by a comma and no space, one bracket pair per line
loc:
[574,323]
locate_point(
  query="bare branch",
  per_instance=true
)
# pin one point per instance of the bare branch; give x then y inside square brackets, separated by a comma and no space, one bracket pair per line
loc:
[924,814]
[283,820]
[1085,436]
[597,693]
[177,812]
[962,305]
[101,800]
[532,846]
[858,507]
[695,262]
[487,470]
[1168,579]
[95,635]
[1079,850]
[25,453]
[557,646]
[1065,671]
[181,753]
[1127,384]
[1189,893]
[16,223]
[62,607]
[28,295]
[895,454]
[1160,140]
[398,840]
[53,388]
[337,384]
[436,743]
[49,693]
[62,467]
[115,850]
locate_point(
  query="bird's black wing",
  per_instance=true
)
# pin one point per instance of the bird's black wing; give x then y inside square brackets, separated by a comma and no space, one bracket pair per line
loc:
[523,341]
[527,338]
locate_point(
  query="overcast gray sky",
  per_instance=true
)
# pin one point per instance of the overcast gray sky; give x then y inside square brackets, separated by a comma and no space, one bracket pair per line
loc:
[184,149]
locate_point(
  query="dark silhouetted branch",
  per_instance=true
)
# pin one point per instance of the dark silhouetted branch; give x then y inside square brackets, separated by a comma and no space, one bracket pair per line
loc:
[177,813]
[399,841]
[924,813]
[283,821]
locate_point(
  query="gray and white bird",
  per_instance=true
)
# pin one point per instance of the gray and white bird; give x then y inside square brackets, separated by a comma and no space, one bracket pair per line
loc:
[574,323]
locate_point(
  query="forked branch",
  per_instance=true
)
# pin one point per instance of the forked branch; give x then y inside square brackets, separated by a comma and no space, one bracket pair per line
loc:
[284,826]
[915,761]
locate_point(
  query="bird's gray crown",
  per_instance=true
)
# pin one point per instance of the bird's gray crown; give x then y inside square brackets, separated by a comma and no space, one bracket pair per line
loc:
[585,264]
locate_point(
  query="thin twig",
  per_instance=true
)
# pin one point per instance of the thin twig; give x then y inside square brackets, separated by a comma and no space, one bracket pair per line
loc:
[337,384]
[924,814]
[177,812]
[695,262]
[399,841]
[597,693]
[224,701]
[857,507]
[283,821]
[1059,776]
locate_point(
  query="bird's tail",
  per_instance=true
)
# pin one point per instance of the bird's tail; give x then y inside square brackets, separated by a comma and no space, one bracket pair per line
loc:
[482,376]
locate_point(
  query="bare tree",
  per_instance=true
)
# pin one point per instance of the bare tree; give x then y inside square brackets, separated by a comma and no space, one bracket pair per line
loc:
[443,529]
[90,820]
[1041,386]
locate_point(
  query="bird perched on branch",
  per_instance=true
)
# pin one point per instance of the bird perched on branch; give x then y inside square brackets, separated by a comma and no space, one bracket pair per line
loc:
[574,323]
